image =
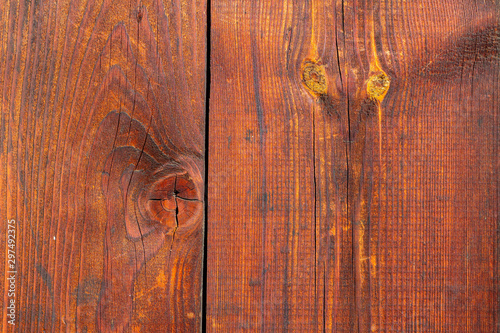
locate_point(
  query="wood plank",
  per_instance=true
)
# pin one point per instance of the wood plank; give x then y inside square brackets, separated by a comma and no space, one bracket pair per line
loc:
[353,166]
[102,163]
[262,272]
[261,233]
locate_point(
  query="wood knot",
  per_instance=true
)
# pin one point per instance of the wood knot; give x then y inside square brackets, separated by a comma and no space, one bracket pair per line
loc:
[150,190]
[172,201]
[378,85]
[314,77]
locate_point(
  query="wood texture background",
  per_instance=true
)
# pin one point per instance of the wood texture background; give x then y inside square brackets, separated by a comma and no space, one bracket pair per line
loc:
[353,165]
[333,208]
[102,157]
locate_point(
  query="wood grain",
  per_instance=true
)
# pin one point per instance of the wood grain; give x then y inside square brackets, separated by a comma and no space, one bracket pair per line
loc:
[353,180]
[102,163]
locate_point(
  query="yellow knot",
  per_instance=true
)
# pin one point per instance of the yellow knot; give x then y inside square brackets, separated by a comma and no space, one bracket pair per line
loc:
[314,77]
[378,85]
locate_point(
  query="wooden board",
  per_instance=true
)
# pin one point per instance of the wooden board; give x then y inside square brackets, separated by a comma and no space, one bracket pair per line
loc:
[353,180]
[102,163]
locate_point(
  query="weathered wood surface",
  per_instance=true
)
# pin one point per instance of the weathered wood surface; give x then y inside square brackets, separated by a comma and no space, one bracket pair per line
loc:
[353,180]
[102,163]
